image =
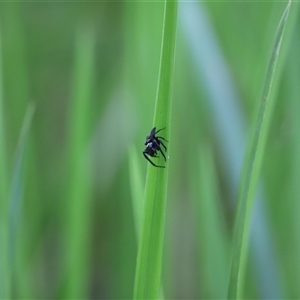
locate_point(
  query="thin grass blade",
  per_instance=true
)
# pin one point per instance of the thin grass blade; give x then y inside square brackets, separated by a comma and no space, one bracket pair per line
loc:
[4,283]
[149,260]
[213,245]
[293,265]
[16,197]
[137,192]
[78,187]
[252,167]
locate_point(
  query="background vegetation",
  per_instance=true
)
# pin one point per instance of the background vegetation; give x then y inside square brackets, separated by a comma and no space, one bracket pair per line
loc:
[77,94]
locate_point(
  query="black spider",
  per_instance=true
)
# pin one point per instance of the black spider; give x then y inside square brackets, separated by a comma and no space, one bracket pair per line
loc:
[153,145]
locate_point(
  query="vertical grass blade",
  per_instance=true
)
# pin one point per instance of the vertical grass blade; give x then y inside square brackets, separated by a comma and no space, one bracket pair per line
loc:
[213,245]
[78,204]
[149,260]
[291,265]
[16,201]
[229,120]
[4,288]
[294,92]
[252,167]
[136,186]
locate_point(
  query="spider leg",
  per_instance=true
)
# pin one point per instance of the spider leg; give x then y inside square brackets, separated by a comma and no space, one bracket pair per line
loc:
[159,130]
[160,137]
[163,145]
[162,154]
[159,149]
[151,162]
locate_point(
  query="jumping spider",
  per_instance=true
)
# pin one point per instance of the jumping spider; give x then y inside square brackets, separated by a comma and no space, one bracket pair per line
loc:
[153,145]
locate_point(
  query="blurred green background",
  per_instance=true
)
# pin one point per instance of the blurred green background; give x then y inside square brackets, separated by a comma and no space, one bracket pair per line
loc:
[77,92]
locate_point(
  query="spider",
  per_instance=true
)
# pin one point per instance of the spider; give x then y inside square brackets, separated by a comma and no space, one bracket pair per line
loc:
[153,145]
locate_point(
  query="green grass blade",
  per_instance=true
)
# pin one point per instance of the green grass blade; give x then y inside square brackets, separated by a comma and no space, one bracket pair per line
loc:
[78,187]
[16,200]
[252,167]
[136,186]
[4,284]
[3,156]
[213,245]
[149,260]
[291,232]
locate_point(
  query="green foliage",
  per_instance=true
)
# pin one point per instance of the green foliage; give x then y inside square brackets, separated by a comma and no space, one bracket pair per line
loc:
[84,215]
[78,183]
[253,164]
[149,260]
[213,254]
[3,191]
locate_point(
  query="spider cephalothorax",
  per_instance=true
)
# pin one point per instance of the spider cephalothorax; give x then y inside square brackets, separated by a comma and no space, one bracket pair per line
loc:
[153,146]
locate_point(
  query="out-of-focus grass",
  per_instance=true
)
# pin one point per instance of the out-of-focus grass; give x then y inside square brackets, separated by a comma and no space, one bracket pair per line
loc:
[77,200]
[137,192]
[291,264]
[213,254]
[16,199]
[4,270]
[75,232]
[253,164]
